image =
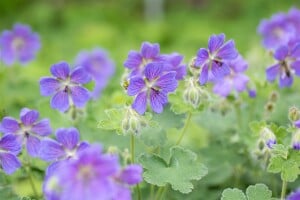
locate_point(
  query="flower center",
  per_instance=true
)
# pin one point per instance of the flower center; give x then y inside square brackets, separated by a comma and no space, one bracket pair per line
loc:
[85,173]
[18,44]
[285,68]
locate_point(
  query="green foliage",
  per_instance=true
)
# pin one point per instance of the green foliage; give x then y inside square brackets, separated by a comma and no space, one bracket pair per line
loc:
[287,166]
[113,121]
[178,171]
[253,192]
[233,194]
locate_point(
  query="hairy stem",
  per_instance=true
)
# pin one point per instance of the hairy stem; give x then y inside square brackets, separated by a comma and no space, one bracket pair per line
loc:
[283,190]
[188,119]
[132,151]
[31,181]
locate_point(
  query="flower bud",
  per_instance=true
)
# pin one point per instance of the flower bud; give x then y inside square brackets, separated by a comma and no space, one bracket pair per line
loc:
[194,93]
[268,136]
[294,114]
[296,140]
[132,122]
[273,96]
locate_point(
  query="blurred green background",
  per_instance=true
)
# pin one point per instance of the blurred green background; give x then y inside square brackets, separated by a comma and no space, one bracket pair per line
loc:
[67,27]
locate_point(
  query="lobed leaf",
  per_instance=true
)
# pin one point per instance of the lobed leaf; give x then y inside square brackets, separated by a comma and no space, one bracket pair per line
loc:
[181,169]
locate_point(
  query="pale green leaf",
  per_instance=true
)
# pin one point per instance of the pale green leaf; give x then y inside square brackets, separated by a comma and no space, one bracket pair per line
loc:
[275,164]
[233,194]
[179,171]
[290,171]
[280,150]
[258,192]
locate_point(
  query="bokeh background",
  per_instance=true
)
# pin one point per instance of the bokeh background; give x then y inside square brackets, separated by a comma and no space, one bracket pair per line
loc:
[69,26]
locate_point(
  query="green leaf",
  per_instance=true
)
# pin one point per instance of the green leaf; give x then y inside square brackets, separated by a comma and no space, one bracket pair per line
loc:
[179,171]
[280,150]
[113,121]
[153,137]
[256,126]
[275,165]
[253,192]
[167,118]
[295,156]
[280,133]
[290,171]
[258,192]
[233,194]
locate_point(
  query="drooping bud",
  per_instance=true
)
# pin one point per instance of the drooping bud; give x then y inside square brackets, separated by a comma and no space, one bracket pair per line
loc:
[132,122]
[294,114]
[194,94]
[273,96]
[296,140]
[268,137]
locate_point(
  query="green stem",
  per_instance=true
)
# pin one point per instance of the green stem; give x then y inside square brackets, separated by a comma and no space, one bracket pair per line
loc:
[159,192]
[283,190]
[188,119]
[132,151]
[132,147]
[30,177]
[238,116]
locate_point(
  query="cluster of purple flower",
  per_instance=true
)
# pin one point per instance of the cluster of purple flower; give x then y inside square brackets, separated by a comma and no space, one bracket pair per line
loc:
[27,131]
[281,36]
[67,85]
[19,44]
[152,76]
[92,175]
[75,164]
[222,65]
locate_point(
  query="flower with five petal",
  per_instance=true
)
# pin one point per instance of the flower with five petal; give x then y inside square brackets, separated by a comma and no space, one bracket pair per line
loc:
[66,86]
[65,147]
[136,61]
[92,176]
[19,44]
[28,130]
[99,66]
[153,88]
[288,64]
[236,80]
[212,61]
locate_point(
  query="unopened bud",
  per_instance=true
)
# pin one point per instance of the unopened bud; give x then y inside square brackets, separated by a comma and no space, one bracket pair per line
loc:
[269,107]
[296,140]
[268,136]
[194,93]
[132,122]
[112,150]
[274,96]
[294,114]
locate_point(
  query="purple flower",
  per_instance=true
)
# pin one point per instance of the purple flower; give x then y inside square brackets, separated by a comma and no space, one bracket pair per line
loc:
[294,195]
[288,64]
[293,17]
[66,86]
[9,149]
[92,176]
[296,138]
[136,61]
[174,64]
[67,146]
[213,61]
[19,44]
[276,31]
[99,66]
[236,80]
[28,130]
[154,88]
